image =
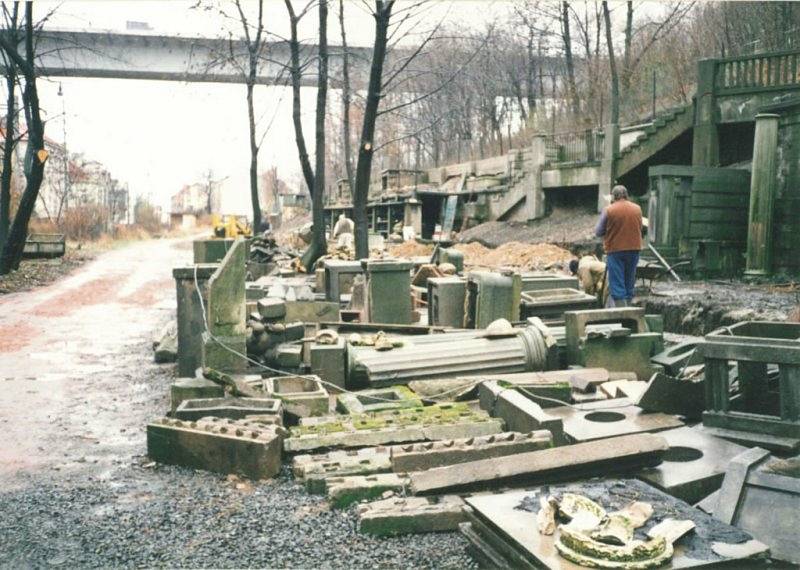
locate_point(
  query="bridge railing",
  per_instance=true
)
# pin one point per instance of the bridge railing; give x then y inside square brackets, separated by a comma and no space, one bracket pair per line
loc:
[578,147]
[778,70]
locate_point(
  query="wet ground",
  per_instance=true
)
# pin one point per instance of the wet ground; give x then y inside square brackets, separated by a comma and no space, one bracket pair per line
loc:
[78,385]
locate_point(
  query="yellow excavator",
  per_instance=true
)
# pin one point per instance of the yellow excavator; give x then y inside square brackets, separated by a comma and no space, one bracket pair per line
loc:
[230,226]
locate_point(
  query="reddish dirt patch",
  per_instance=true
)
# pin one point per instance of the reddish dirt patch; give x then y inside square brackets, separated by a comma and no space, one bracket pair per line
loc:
[92,293]
[148,294]
[17,336]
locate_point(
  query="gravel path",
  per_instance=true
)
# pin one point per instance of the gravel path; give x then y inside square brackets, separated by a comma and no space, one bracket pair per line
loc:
[76,489]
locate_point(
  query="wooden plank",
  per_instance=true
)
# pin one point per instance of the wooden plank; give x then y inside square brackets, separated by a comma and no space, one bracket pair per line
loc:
[704,230]
[709,200]
[722,216]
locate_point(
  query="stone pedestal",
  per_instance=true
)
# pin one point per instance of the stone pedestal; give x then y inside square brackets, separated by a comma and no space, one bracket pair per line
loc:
[534,201]
[388,291]
[190,314]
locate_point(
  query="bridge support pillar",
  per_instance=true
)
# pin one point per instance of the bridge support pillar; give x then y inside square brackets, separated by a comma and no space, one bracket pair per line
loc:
[608,165]
[763,185]
[535,201]
[705,136]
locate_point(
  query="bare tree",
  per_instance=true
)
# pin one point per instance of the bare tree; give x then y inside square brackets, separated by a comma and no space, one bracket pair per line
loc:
[346,101]
[36,155]
[612,64]
[12,32]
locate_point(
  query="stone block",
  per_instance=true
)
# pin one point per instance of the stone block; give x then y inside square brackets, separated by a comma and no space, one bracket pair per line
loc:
[628,353]
[518,412]
[344,491]
[271,309]
[316,469]
[302,396]
[547,389]
[694,465]
[388,291]
[411,515]
[575,323]
[675,358]
[609,418]
[211,250]
[193,389]
[219,445]
[553,303]
[225,353]
[288,355]
[541,281]
[312,311]
[378,400]
[338,277]
[231,408]
[446,301]
[671,395]
[328,362]
[188,280]
[577,461]
[430,423]
[422,456]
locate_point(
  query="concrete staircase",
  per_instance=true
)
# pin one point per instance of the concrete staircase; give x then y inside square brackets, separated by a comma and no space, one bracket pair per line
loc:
[517,186]
[666,128]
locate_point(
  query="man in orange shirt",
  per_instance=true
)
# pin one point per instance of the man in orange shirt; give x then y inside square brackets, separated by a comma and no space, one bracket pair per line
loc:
[620,226]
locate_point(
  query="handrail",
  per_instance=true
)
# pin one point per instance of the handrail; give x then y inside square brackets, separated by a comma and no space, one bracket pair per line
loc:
[574,147]
[758,71]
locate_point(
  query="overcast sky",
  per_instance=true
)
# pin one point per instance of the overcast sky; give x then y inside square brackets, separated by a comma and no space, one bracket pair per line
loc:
[159,135]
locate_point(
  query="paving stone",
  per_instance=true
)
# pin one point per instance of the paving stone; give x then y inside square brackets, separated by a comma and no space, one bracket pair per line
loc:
[409,515]
[610,418]
[344,491]
[315,469]
[621,454]
[429,423]
[231,408]
[217,444]
[421,456]
[377,400]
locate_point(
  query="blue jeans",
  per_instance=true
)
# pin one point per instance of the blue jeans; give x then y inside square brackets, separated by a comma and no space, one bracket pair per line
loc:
[621,267]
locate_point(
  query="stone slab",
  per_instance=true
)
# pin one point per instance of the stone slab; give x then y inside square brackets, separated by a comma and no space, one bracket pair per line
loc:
[343,462]
[610,418]
[671,395]
[622,454]
[519,413]
[515,528]
[219,445]
[693,466]
[231,408]
[422,456]
[411,515]
[774,443]
[344,491]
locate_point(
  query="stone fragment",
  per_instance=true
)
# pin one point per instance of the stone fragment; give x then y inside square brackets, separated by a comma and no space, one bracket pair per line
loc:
[219,445]
[315,469]
[520,414]
[422,456]
[672,395]
[167,348]
[671,529]
[193,388]
[271,308]
[231,408]
[619,454]
[410,515]
[344,491]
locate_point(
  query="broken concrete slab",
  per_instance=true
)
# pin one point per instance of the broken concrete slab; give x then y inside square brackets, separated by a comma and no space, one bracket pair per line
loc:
[422,456]
[193,389]
[618,455]
[411,515]
[519,413]
[217,444]
[302,396]
[429,423]
[231,408]
[609,418]
[503,527]
[694,465]
[378,400]
[344,491]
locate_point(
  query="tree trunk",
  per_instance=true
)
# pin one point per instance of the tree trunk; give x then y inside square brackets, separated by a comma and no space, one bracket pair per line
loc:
[319,242]
[625,76]
[567,38]
[253,156]
[383,13]
[8,156]
[348,158]
[34,171]
[296,75]
[614,120]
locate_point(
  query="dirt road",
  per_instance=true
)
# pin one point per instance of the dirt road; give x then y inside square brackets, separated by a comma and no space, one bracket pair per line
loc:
[77,387]
[72,365]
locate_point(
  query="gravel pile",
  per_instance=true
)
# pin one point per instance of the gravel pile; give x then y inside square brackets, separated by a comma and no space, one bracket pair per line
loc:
[150,516]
